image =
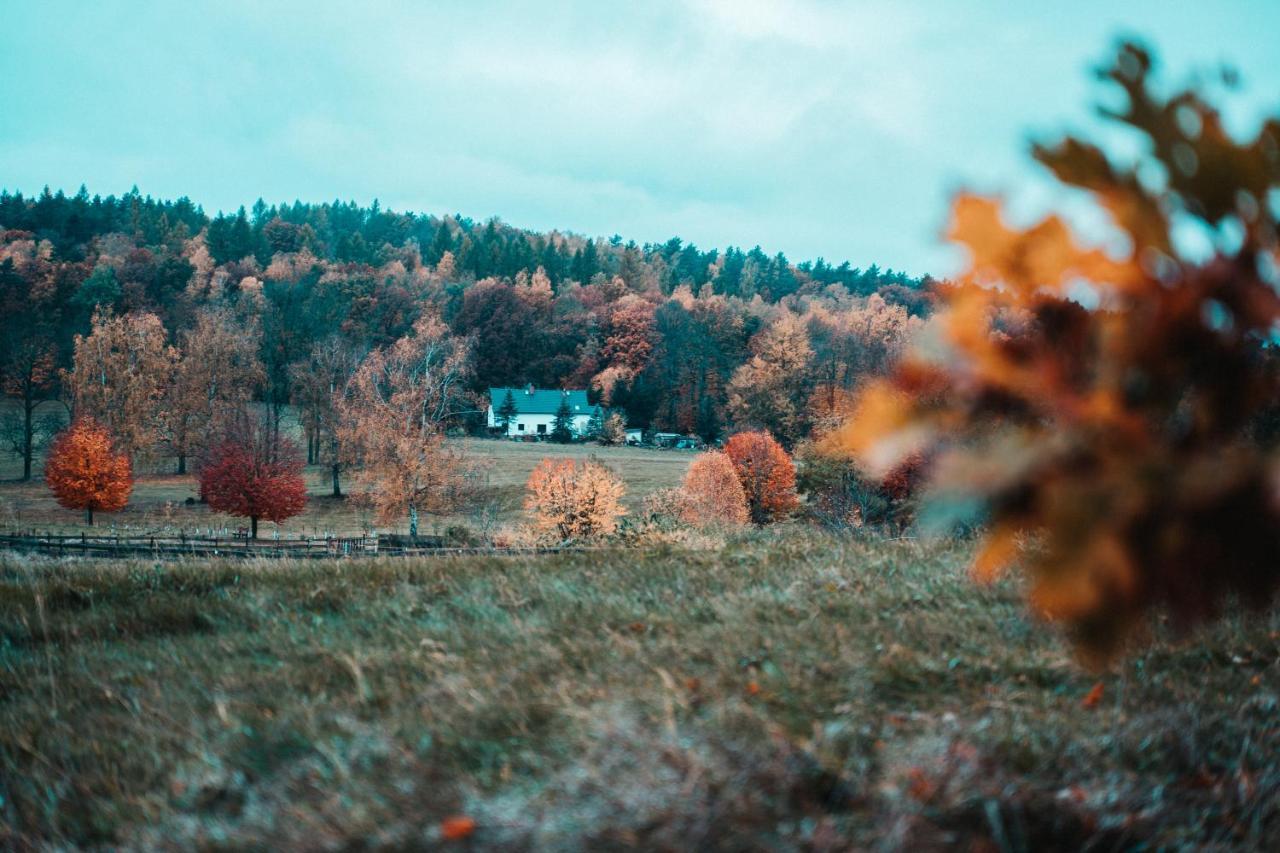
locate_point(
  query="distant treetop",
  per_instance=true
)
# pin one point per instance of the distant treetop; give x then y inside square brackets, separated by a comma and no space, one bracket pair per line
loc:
[346,232]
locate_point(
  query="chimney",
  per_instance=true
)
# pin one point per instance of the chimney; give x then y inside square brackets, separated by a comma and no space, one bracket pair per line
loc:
[529,389]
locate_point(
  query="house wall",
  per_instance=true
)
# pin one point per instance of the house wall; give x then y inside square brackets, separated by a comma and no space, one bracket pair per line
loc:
[531,423]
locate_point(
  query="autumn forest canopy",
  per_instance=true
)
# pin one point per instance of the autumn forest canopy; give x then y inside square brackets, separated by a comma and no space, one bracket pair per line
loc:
[656,331]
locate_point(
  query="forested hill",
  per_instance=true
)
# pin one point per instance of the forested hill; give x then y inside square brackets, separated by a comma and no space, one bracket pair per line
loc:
[676,337]
[344,232]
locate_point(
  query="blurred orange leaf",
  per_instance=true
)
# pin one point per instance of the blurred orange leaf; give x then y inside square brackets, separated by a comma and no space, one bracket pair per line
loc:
[997,552]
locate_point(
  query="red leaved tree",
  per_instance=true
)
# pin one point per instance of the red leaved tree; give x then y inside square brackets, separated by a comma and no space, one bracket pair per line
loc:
[254,472]
[1120,436]
[574,500]
[86,472]
[767,475]
[713,494]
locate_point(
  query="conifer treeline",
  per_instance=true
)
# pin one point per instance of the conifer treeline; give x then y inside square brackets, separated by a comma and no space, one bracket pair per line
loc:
[345,232]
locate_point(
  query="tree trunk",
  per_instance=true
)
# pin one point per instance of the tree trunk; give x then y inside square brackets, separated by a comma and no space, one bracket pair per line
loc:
[277,415]
[337,486]
[182,463]
[413,521]
[253,527]
[88,515]
[28,440]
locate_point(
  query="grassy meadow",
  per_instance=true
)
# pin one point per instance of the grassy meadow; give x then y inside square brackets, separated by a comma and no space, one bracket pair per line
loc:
[784,692]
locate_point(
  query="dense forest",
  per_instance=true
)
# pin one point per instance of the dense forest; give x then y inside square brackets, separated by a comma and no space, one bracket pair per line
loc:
[672,336]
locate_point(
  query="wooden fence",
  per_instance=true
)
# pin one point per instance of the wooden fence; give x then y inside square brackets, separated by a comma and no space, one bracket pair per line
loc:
[111,545]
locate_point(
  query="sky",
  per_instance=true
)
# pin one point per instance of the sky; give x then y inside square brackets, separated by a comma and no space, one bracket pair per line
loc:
[836,130]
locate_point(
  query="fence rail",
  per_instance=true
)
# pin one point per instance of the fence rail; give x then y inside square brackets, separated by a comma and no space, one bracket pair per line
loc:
[87,545]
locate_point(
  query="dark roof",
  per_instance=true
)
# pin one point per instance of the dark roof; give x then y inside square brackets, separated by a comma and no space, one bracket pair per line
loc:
[542,401]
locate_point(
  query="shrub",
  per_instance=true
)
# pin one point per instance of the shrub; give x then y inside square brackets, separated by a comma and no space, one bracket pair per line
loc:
[613,430]
[461,536]
[767,475]
[665,506]
[713,494]
[837,494]
[574,500]
[840,494]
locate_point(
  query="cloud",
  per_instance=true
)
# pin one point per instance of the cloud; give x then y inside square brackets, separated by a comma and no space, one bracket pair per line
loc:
[811,127]
[845,27]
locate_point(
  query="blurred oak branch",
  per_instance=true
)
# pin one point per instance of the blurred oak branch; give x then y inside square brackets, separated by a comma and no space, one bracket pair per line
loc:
[1121,450]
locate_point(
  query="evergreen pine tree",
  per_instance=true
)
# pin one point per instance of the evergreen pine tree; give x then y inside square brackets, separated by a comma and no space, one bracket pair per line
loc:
[441,243]
[241,237]
[595,426]
[550,262]
[507,411]
[562,427]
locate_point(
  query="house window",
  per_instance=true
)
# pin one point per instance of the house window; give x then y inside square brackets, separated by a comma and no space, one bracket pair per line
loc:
[520,427]
[542,429]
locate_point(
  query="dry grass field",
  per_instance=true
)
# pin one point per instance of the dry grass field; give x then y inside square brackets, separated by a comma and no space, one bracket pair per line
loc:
[158,500]
[786,692]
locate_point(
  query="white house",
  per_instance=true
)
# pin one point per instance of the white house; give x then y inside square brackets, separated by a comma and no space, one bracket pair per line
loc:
[536,410]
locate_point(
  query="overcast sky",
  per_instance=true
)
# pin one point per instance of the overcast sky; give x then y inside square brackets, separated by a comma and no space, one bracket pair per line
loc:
[817,129]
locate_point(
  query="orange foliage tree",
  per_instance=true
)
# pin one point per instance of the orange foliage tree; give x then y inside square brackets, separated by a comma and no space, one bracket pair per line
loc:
[84,471]
[629,344]
[767,475]
[1115,436]
[391,419]
[713,494]
[119,376]
[317,382]
[214,376]
[772,388]
[852,343]
[255,473]
[574,500]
